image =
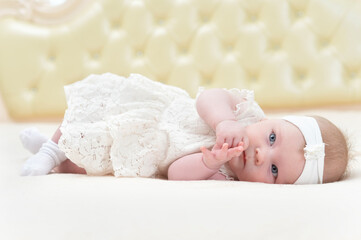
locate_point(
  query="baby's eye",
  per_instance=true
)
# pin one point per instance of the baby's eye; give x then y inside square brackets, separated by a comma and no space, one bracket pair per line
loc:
[274,170]
[272,138]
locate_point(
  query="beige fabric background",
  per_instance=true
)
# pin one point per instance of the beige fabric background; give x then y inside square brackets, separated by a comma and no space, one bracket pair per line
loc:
[292,53]
[3,113]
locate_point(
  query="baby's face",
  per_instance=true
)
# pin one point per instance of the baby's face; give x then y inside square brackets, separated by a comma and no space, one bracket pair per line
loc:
[273,153]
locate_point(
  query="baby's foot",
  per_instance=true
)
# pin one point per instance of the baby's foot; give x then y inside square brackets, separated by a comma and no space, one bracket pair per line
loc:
[48,157]
[32,139]
[39,164]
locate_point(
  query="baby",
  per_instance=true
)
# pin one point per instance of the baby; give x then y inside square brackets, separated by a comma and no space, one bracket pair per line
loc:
[135,127]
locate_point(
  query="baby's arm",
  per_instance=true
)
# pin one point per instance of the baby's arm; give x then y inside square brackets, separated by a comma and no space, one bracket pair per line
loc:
[216,107]
[190,167]
[204,165]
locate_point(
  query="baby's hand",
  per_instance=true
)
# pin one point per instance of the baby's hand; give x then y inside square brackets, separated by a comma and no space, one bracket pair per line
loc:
[230,132]
[218,156]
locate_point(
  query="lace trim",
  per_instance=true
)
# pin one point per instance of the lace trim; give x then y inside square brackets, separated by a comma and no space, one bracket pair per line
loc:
[227,172]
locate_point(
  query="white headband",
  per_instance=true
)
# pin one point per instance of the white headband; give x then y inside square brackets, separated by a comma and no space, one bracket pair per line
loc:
[314,151]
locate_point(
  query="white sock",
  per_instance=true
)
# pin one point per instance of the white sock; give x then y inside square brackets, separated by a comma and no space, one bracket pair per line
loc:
[32,139]
[48,157]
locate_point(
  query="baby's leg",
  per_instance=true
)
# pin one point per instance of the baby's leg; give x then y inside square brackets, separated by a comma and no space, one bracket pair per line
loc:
[69,167]
[48,157]
[66,166]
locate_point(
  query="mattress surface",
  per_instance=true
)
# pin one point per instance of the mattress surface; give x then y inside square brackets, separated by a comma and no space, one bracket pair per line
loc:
[68,206]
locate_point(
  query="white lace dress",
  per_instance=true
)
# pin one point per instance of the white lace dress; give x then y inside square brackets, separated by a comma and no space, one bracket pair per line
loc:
[135,126]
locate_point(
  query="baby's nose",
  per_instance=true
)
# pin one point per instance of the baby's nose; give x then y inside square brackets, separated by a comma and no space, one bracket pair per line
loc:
[258,157]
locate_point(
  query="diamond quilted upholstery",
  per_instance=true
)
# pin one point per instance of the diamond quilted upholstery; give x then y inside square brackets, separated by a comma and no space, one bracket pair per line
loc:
[293,53]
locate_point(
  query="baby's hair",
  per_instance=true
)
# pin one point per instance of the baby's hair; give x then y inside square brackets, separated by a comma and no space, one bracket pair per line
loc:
[337,150]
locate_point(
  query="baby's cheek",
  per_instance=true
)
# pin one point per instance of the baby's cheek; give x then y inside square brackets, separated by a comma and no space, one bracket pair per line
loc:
[252,175]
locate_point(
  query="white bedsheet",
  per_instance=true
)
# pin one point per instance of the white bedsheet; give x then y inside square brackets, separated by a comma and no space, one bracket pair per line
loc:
[67,206]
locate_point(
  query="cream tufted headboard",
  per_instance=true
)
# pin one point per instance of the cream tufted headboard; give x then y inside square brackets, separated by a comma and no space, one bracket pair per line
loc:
[293,53]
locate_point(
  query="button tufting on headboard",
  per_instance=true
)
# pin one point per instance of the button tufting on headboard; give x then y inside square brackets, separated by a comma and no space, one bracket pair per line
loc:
[292,53]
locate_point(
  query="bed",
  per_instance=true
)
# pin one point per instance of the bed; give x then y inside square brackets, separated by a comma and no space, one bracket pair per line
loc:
[301,57]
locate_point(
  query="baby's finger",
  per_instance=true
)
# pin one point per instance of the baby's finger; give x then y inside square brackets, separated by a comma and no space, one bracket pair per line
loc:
[219,142]
[236,141]
[235,152]
[222,154]
[217,147]
[206,152]
[229,141]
